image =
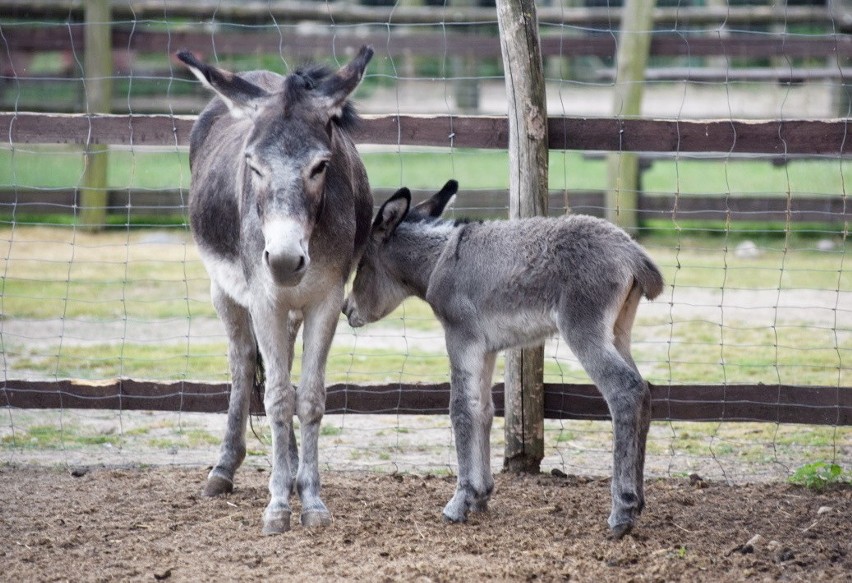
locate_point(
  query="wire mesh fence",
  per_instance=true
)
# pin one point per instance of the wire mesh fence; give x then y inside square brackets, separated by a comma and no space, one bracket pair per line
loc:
[753,240]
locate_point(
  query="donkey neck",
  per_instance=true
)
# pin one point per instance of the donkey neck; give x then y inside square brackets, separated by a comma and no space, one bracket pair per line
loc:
[418,246]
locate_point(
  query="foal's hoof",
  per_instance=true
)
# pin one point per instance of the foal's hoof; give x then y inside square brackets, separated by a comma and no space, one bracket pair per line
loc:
[276,522]
[453,518]
[311,518]
[619,531]
[217,485]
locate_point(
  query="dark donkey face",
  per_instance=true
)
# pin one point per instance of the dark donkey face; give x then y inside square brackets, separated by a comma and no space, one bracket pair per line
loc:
[379,285]
[287,152]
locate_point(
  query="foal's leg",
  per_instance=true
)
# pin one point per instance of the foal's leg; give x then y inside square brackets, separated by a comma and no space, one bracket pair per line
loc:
[628,399]
[272,333]
[486,405]
[320,323]
[242,354]
[621,333]
[468,414]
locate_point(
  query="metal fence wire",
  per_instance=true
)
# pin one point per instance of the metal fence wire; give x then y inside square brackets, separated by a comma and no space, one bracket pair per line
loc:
[725,154]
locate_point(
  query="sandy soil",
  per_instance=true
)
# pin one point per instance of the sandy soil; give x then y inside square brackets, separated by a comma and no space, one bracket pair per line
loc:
[153,524]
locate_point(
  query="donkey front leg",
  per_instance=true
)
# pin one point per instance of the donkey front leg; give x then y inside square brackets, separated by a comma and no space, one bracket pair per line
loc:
[320,323]
[279,400]
[242,360]
[471,413]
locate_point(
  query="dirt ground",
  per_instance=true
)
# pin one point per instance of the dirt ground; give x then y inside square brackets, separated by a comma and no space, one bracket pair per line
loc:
[105,524]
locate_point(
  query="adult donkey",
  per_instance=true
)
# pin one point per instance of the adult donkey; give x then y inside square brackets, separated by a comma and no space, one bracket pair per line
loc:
[280,208]
[504,284]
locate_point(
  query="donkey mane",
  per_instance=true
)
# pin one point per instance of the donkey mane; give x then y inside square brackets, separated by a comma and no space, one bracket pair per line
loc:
[307,78]
[416,218]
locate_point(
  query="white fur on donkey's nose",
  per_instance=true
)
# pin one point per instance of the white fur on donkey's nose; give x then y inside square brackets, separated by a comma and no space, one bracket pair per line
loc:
[286,251]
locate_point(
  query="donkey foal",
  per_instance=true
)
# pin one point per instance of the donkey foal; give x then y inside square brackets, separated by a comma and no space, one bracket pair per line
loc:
[505,284]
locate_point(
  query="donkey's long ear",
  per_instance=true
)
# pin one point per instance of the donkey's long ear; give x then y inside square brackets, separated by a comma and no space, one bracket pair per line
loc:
[435,205]
[391,214]
[336,88]
[241,96]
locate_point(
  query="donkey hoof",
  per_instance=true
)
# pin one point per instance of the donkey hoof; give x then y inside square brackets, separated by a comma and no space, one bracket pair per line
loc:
[453,518]
[619,531]
[311,518]
[217,485]
[479,506]
[277,522]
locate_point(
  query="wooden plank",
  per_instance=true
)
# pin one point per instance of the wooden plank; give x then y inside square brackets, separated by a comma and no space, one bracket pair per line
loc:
[776,137]
[398,43]
[813,405]
[252,11]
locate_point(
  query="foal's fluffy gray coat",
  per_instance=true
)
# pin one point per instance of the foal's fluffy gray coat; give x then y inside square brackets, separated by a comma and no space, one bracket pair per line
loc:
[504,284]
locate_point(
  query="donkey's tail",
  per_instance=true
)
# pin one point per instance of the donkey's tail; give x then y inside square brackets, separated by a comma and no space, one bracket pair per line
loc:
[648,276]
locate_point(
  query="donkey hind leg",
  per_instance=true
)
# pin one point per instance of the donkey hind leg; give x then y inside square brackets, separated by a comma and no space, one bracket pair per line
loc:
[471,414]
[486,419]
[628,399]
[273,341]
[242,358]
[621,334]
[320,324]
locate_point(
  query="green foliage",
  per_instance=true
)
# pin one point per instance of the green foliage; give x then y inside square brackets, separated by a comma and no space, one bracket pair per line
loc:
[818,475]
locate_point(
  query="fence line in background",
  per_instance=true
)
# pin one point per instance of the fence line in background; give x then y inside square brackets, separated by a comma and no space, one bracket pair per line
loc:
[612,134]
[249,12]
[479,204]
[760,402]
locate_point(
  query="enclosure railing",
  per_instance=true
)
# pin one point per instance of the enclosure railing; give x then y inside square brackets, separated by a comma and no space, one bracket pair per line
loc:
[830,405]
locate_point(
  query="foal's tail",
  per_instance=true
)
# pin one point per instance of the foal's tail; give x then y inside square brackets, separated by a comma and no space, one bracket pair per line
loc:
[647,276]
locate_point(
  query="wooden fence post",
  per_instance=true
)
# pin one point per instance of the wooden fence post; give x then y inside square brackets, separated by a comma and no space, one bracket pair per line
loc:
[97,63]
[634,44]
[528,164]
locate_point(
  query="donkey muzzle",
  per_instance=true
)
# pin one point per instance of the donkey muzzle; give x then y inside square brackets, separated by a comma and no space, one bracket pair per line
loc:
[351,313]
[286,253]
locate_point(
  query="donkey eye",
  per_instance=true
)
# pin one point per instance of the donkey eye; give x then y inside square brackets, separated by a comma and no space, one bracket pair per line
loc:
[319,168]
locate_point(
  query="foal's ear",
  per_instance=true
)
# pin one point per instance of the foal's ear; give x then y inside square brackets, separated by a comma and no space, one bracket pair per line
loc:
[392,213]
[435,205]
[241,96]
[335,89]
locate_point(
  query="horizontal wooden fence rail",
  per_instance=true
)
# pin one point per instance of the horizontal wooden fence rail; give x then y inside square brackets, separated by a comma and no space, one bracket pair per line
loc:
[252,11]
[775,137]
[404,44]
[137,204]
[770,403]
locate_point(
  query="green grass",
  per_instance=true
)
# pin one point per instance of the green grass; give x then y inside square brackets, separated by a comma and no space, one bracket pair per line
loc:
[54,437]
[61,274]
[819,475]
[64,274]
[165,168]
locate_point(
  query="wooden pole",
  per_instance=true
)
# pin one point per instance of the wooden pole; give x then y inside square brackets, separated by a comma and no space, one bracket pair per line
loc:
[528,164]
[97,63]
[634,43]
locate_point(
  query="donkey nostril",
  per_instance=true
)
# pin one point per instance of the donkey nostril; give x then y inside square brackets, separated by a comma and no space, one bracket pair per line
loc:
[266,256]
[301,264]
